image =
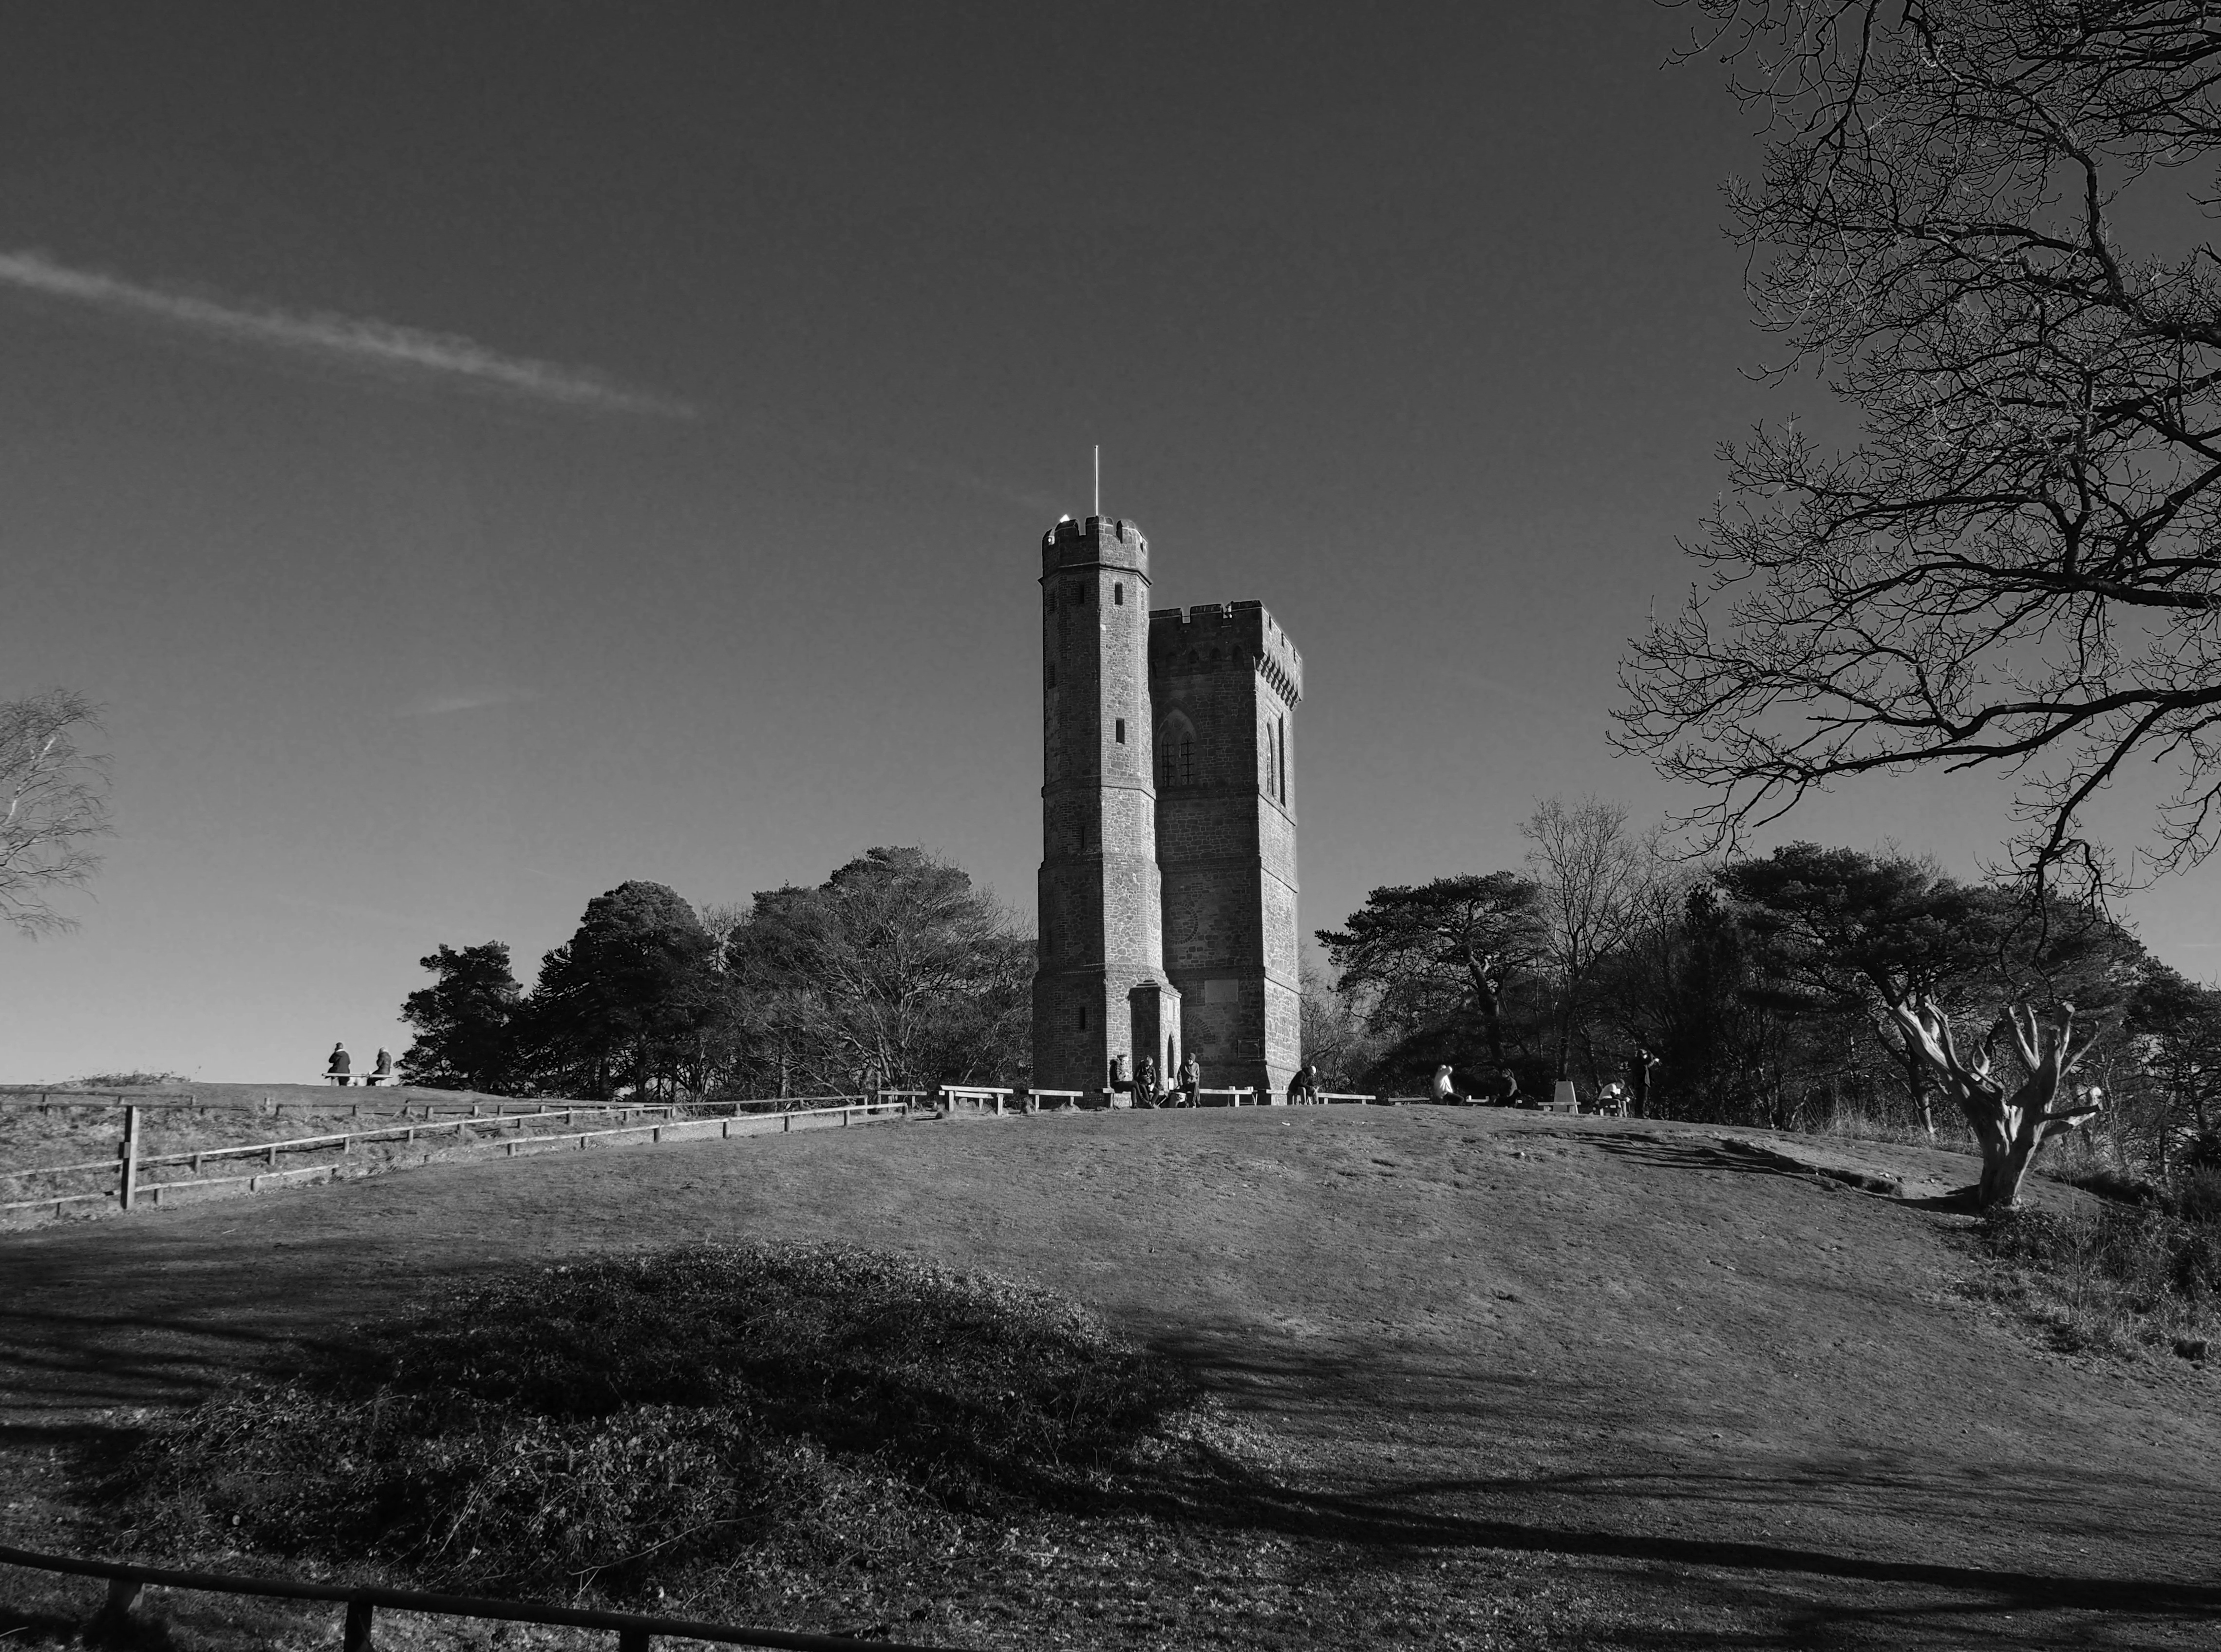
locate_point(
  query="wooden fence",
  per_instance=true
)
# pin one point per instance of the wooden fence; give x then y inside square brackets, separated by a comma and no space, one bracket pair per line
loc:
[129,1164]
[635,1631]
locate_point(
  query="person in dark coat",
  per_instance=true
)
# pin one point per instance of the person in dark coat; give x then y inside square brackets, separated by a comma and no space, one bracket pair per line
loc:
[1641,1067]
[340,1066]
[1191,1082]
[1145,1083]
[1303,1085]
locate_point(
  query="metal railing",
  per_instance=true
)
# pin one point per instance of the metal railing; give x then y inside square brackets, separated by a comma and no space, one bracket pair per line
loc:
[635,1631]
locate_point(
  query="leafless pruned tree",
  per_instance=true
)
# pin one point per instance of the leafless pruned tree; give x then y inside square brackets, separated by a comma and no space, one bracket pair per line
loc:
[2009,1129]
[54,805]
[1984,221]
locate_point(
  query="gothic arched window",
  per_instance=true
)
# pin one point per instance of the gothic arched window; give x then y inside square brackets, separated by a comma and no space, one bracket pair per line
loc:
[1176,751]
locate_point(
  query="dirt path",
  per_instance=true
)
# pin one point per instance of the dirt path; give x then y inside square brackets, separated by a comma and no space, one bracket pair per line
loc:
[1434,1327]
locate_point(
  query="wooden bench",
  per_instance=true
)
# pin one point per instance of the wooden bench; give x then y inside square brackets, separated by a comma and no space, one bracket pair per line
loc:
[1242,1097]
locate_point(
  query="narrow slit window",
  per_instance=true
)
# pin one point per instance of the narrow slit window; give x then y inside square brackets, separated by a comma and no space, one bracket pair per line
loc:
[1118,594]
[1122,731]
[1281,752]
[1083,1017]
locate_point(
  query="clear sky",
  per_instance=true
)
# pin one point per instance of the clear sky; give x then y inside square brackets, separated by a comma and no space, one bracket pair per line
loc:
[479,454]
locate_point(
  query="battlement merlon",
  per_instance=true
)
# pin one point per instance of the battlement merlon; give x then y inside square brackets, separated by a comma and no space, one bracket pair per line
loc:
[1175,633]
[1097,543]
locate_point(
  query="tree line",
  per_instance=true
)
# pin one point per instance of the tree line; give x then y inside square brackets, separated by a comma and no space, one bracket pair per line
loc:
[895,970]
[1771,991]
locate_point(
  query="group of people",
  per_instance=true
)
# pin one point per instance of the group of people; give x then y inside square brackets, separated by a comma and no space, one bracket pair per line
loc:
[338,1068]
[1618,1096]
[1500,1091]
[1188,1085]
[1186,1091]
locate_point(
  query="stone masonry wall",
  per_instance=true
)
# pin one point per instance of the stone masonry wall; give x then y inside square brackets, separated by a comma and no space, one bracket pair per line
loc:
[1100,895]
[1223,683]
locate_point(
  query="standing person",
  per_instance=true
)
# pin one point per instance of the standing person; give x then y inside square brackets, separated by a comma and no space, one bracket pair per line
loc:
[1640,1067]
[340,1066]
[1190,1080]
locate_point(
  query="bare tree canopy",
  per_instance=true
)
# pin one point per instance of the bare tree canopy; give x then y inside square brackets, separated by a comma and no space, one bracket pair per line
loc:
[1594,875]
[1985,223]
[54,803]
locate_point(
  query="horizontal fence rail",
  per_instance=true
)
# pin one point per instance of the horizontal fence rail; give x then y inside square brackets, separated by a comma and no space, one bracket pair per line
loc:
[635,1631]
[129,1166]
[128,1163]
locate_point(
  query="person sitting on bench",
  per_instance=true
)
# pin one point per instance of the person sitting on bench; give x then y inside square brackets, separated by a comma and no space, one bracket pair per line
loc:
[381,1070]
[1446,1090]
[341,1065]
[1303,1086]
[1502,1091]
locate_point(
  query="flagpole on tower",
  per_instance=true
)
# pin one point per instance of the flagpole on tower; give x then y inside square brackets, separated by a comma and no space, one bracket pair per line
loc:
[1099,478]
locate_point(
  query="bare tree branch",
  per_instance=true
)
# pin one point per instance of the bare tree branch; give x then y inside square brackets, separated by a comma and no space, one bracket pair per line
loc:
[54,803]
[2019,567]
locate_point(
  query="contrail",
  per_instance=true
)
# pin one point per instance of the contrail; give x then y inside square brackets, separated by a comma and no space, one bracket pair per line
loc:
[342,339]
[443,705]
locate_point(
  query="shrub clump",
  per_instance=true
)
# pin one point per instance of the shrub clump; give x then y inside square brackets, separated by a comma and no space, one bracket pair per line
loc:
[2129,1275]
[619,1423]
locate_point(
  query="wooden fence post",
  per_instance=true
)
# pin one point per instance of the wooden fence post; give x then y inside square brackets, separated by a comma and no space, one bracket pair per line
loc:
[361,1615]
[128,1187]
[122,1592]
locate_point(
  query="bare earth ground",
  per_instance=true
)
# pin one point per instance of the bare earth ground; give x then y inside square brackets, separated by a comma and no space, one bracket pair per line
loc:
[1492,1379]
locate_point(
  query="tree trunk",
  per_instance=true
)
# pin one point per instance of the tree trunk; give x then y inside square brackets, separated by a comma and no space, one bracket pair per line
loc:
[1915,1089]
[2004,1163]
[1484,998]
[1492,1024]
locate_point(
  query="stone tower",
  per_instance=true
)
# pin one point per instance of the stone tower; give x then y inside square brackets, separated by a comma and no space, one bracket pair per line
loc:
[1100,994]
[1224,685]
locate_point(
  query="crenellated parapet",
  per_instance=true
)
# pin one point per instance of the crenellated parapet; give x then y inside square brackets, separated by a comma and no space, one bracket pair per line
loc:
[1097,542]
[1219,635]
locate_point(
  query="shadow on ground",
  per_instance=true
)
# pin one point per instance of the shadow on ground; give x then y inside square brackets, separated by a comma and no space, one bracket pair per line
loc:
[1746,1400]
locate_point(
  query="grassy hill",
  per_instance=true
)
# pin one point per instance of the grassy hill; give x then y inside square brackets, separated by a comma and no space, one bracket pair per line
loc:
[1474,1377]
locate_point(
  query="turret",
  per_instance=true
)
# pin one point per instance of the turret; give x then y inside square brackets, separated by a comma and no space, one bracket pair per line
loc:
[1100,995]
